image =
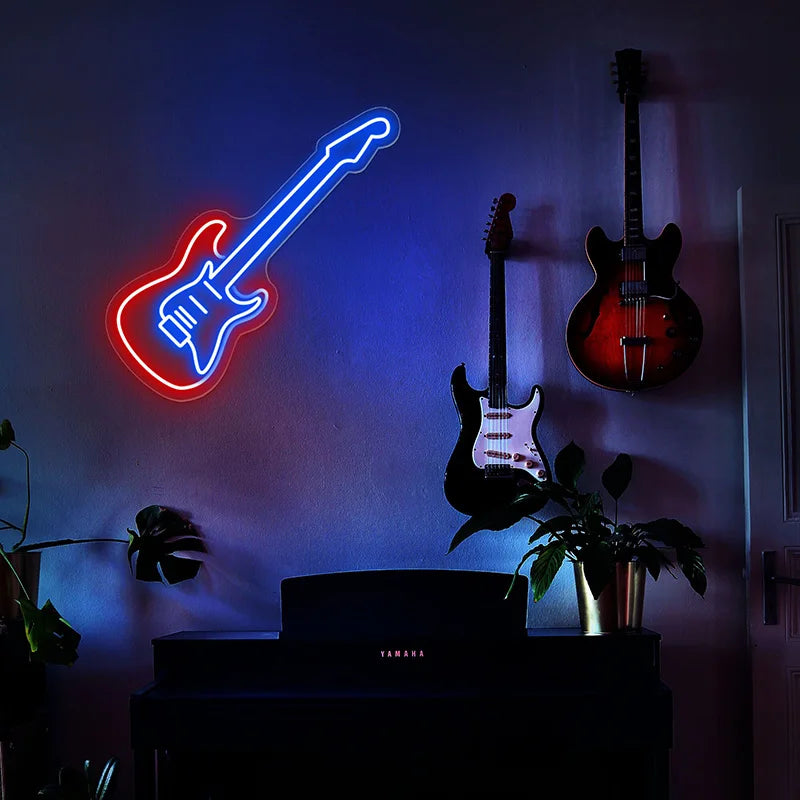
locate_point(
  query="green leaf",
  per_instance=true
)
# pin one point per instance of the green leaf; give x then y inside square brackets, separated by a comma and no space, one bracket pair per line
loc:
[652,558]
[545,568]
[162,533]
[598,525]
[569,465]
[471,526]
[692,566]
[6,434]
[671,533]
[555,526]
[617,477]
[531,501]
[104,787]
[495,519]
[514,577]
[598,567]
[556,492]
[590,504]
[51,638]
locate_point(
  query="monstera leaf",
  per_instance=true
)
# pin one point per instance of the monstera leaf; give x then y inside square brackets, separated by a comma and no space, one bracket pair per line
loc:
[51,638]
[6,434]
[158,550]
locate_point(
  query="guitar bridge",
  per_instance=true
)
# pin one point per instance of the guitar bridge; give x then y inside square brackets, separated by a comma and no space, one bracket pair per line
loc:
[633,341]
[498,471]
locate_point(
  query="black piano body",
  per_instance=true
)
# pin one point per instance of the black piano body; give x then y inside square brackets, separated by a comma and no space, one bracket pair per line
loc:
[403,683]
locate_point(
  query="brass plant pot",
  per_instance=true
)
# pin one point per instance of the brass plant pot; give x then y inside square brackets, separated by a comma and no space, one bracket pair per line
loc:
[630,580]
[27,566]
[619,606]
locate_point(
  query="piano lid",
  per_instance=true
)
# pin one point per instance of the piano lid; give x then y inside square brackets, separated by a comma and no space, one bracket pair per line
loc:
[430,603]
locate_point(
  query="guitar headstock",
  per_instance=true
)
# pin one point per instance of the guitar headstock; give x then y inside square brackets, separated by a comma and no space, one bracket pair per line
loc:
[629,72]
[498,231]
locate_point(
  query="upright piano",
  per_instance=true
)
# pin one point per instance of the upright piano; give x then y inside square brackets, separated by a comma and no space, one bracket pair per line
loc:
[403,683]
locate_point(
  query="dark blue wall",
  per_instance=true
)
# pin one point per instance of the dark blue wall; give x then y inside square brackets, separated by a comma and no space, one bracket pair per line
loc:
[324,446]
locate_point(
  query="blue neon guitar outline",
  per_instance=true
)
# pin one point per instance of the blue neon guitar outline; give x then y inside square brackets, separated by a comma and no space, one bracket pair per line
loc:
[149,323]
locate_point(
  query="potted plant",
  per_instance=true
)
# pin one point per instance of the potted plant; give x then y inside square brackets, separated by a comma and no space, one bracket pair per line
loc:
[155,550]
[88,784]
[610,558]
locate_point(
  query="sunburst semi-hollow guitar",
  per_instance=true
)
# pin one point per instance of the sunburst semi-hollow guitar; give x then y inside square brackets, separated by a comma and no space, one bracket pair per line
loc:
[635,328]
[497,453]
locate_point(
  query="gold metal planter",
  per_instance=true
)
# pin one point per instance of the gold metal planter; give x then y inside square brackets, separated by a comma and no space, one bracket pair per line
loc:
[619,606]
[27,567]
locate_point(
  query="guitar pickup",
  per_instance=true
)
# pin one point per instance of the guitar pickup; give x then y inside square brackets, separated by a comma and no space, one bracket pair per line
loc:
[633,290]
[174,331]
[630,254]
[497,454]
[633,341]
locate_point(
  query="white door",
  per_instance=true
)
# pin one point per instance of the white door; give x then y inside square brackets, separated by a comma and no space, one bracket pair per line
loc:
[769,271]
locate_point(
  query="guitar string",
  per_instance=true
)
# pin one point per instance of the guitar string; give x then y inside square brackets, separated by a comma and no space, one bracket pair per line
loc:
[627,302]
[643,318]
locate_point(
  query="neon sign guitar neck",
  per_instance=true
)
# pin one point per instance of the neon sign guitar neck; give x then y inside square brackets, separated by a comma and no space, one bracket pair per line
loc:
[175,328]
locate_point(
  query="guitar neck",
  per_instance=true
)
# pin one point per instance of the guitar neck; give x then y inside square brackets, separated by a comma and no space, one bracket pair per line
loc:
[346,149]
[633,230]
[283,214]
[497,331]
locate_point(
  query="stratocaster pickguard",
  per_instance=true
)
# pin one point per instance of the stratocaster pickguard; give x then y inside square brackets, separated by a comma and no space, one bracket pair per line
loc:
[506,439]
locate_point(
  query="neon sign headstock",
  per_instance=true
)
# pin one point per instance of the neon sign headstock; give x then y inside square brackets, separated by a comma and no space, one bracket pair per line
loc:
[176,327]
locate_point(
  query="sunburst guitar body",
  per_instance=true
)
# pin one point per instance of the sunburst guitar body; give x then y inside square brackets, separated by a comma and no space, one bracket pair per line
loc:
[635,328]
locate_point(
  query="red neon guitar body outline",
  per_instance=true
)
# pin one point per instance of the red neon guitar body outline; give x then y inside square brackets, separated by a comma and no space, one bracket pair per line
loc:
[176,327]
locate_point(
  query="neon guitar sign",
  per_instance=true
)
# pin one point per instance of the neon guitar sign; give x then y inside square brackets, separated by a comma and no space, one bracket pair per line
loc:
[176,327]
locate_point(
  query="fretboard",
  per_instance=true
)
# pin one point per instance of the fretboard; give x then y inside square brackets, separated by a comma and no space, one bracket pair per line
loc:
[633,231]
[497,331]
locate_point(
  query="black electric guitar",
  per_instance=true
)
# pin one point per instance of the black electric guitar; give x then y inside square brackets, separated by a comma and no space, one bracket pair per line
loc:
[635,328]
[497,453]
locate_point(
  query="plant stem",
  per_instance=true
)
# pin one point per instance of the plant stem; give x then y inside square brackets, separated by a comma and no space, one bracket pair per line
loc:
[8,526]
[27,548]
